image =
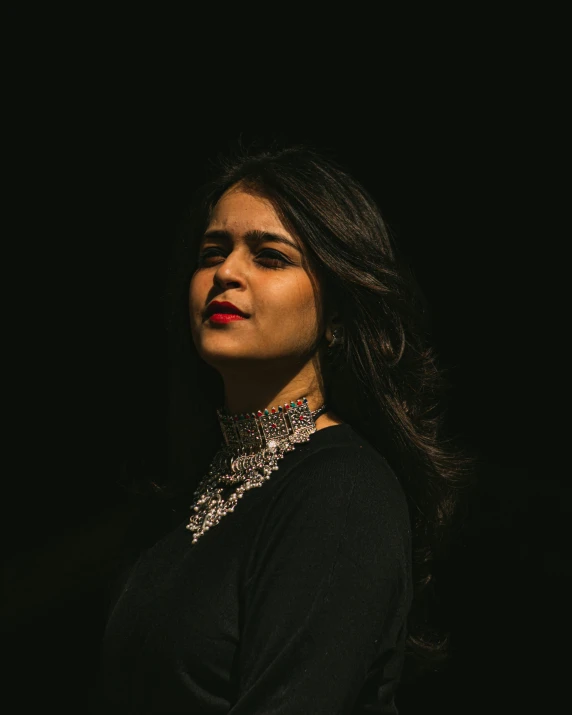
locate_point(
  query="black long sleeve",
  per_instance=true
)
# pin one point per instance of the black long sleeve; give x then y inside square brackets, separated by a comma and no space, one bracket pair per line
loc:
[295,603]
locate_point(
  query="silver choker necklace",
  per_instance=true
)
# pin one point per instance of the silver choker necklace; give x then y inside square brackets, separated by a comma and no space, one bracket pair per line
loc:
[253,445]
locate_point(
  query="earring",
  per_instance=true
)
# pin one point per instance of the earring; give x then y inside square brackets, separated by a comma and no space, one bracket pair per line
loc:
[336,339]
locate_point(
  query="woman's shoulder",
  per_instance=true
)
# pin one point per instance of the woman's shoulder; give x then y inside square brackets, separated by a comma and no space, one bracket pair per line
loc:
[341,499]
[338,464]
[342,448]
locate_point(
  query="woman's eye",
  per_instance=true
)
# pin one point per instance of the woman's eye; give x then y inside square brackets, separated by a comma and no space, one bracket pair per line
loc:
[274,257]
[271,258]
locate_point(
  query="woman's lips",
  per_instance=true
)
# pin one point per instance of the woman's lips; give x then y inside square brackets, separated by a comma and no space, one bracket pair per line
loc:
[225,317]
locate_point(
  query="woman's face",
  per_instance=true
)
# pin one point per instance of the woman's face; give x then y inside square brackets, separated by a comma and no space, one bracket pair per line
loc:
[248,258]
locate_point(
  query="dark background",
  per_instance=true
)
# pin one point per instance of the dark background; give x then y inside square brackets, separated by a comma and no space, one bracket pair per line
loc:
[102,178]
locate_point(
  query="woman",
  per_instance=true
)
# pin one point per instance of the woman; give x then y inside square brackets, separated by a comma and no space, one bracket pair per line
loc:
[304,435]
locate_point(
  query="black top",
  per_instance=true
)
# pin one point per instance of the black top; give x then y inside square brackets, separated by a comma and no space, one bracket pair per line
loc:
[294,603]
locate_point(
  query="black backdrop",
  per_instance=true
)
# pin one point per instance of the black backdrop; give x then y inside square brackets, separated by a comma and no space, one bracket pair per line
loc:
[103,181]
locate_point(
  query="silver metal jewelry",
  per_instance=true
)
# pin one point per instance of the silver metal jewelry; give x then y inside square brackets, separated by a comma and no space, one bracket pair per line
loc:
[253,445]
[336,337]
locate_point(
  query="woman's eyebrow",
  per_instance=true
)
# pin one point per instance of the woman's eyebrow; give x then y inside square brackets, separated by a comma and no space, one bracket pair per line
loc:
[253,236]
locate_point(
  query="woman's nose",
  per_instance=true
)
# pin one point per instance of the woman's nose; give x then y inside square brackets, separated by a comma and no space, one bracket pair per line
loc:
[231,270]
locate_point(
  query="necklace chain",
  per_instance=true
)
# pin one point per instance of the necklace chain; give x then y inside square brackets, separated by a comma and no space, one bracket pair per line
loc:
[252,447]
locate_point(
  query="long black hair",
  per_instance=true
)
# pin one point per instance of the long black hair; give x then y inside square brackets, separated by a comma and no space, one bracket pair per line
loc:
[383,378]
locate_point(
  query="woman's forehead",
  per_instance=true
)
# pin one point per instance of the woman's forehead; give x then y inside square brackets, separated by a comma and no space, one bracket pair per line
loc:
[237,208]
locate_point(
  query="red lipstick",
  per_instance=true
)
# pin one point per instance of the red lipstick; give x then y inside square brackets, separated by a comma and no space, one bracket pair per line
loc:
[223,312]
[225,317]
